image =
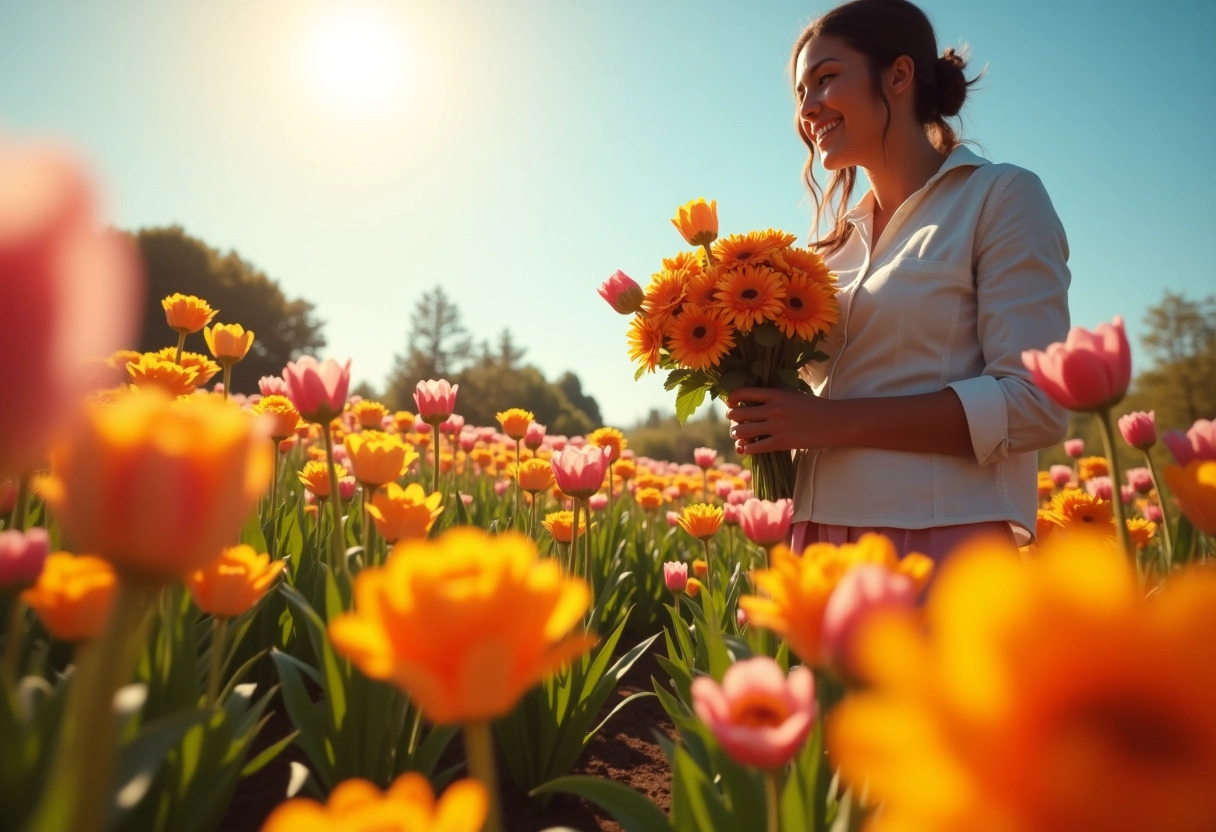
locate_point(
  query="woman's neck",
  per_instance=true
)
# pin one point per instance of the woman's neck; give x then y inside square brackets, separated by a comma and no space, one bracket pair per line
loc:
[910,161]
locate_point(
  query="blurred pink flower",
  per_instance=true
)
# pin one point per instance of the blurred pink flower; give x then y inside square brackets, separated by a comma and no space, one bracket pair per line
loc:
[317,388]
[1197,443]
[22,555]
[435,400]
[1139,429]
[1075,448]
[758,716]
[1141,479]
[1152,512]
[534,436]
[1061,475]
[862,592]
[69,292]
[1127,494]
[730,514]
[597,502]
[704,457]
[723,488]
[272,386]
[766,522]
[1099,487]
[741,616]
[467,499]
[673,518]
[501,486]
[452,425]
[467,440]
[622,293]
[739,496]
[1088,371]
[347,486]
[579,471]
[557,443]
[675,575]
[486,435]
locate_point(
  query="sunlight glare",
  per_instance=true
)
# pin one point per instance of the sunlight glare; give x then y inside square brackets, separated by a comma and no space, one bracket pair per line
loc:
[359,61]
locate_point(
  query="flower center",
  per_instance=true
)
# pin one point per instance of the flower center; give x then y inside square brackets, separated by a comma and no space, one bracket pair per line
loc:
[699,332]
[749,294]
[759,711]
[796,303]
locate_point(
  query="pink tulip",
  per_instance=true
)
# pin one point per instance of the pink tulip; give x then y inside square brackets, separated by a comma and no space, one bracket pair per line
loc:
[766,522]
[622,293]
[1127,494]
[758,716]
[557,443]
[486,435]
[704,457]
[746,476]
[69,292]
[597,502]
[1089,371]
[862,592]
[387,423]
[347,486]
[1140,479]
[1139,429]
[22,555]
[1099,487]
[672,493]
[452,425]
[317,388]
[730,514]
[673,518]
[577,441]
[272,386]
[723,488]
[579,471]
[501,486]
[1075,448]
[675,575]
[534,437]
[741,616]
[468,441]
[1061,475]
[1197,443]
[435,400]
[739,496]
[467,499]
[1152,512]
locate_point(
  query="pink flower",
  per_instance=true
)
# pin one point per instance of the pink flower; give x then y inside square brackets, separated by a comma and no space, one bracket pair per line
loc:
[863,591]
[622,293]
[557,443]
[739,496]
[347,486]
[1127,494]
[1152,512]
[1140,479]
[597,502]
[1075,448]
[704,457]
[758,716]
[741,616]
[22,555]
[723,488]
[435,400]
[534,436]
[452,425]
[317,388]
[467,499]
[1197,443]
[675,575]
[468,441]
[1089,371]
[272,386]
[1139,429]
[673,518]
[1061,475]
[501,486]
[1099,487]
[579,471]
[486,435]
[730,514]
[766,522]
[69,292]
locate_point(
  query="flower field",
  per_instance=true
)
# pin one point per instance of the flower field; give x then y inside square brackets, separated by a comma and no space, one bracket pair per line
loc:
[435,607]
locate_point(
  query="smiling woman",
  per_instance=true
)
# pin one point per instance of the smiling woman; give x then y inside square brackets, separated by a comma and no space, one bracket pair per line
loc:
[357,60]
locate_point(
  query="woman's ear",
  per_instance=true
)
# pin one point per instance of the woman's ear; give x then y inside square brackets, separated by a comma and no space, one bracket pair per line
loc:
[900,75]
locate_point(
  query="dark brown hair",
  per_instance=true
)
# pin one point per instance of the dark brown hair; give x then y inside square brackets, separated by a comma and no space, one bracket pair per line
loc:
[882,30]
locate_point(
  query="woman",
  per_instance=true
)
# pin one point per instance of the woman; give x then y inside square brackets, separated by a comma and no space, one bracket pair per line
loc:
[923,424]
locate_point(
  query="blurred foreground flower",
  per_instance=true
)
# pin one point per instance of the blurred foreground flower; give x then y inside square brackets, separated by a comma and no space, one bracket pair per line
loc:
[1194,488]
[1049,696]
[22,555]
[232,583]
[408,805]
[73,596]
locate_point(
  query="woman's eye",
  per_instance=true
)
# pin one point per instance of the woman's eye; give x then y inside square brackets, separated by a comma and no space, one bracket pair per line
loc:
[823,79]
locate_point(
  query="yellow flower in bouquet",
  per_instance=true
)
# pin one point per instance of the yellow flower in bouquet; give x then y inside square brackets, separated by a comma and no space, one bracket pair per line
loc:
[1048,695]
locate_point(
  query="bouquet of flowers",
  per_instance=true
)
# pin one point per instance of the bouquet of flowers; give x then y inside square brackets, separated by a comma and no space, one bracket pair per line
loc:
[746,310]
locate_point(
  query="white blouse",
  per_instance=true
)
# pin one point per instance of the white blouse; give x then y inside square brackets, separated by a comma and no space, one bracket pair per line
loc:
[970,271]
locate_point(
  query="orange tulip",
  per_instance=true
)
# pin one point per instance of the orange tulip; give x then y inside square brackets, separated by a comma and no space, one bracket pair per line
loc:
[73,596]
[515,422]
[280,414]
[465,624]
[232,583]
[560,525]
[697,222]
[378,458]
[151,372]
[155,485]
[535,475]
[370,415]
[404,513]
[315,477]
[229,343]
[186,313]
[408,805]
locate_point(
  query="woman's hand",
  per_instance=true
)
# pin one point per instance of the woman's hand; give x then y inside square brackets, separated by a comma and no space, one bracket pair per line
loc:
[765,419]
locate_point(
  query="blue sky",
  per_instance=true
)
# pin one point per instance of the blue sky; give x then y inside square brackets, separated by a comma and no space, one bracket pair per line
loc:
[526,150]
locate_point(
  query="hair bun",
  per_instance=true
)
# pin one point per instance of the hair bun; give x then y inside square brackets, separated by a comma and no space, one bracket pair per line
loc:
[951,82]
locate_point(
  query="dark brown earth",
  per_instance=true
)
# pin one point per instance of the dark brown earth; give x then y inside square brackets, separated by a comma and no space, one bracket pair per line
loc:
[625,751]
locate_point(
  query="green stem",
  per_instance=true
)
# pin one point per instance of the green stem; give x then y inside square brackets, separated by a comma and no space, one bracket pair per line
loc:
[1165,517]
[709,572]
[415,730]
[587,550]
[532,515]
[574,541]
[435,455]
[772,800]
[19,506]
[337,537]
[479,746]
[219,629]
[78,786]
[181,342]
[12,644]
[272,541]
[227,378]
[611,488]
[1116,500]
[366,537]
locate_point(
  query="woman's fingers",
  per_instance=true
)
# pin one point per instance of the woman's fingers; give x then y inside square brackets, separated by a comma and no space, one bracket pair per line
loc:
[741,396]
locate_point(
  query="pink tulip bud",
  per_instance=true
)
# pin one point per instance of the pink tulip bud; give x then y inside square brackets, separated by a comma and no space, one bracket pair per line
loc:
[501,486]
[486,435]
[435,400]
[1075,448]
[534,436]
[22,555]
[1139,429]
[1197,443]
[347,486]
[673,518]
[1152,512]
[272,386]
[388,423]
[579,471]
[740,496]
[1099,487]
[468,441]
[765,522]
[675,575]
[1090,371]
[1140,479]
[597,502]
[452,425]
[758,716]
[1061,475]
[704,457]
[317,389]
[730,514]
[745,475]
[576,441]
[723,488]
[467,499]
[741,617]
[1127,494]
[557,443]
[863,591]
[622,293]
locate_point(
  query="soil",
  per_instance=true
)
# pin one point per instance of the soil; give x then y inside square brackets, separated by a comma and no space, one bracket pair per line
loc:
[625,750]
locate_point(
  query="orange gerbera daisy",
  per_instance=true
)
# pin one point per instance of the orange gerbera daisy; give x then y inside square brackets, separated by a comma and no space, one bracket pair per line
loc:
[152,372]
[800,261]
[204,367]
[664,295]
[1076,510]
[808,308]
[699,337]
[738,249]
[702,288]
[645,341]
[691,263]
[749,295]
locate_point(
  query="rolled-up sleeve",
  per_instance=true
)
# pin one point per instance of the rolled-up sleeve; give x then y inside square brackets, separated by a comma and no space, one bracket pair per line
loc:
[1021,281]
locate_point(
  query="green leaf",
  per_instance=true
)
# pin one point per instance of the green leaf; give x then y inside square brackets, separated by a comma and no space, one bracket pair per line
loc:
[251,532]
[628,807]
[735,379]
[639,695]
[305,716]
[143,757]
[259,762]
[675,378]
[1184,541]
[687,403]
[767,335]
[787,376]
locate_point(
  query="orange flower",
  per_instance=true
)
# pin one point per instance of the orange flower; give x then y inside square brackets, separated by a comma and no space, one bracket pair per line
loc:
[229,343]
[610,438]
[749,295]
[692,588]
[1140,531]
[232,583]
[404,420]
[1092,466]
[201,364]
[809,307]
[465,624]
[408,805]
[740,249]
[315,477]
[158,486]
[697,222]
[800,262]
[560,525]
[535,475]
[73,595]
[701,520]
[404,513]
[186,313]
[664,294]
[1194,488]
[645,342]
[151,372]
[700,568]
[699,337]
[1077,510]
[370,415]
[280,414]
[1046,485]
[624,469]
[648,498]
[515,422]
[378,458]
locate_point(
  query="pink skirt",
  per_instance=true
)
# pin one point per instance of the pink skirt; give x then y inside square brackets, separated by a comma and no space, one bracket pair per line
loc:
[936,543]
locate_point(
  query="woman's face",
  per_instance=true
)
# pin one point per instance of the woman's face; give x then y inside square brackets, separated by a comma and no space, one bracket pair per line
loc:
[839,110]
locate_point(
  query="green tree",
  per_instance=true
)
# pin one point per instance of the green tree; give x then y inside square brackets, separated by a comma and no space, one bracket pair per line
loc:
[284,329]
[437,346]
[569,384]
[487,389]
[662,437]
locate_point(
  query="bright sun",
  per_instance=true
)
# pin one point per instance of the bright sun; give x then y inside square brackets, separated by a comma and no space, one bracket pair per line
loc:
[358,61]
